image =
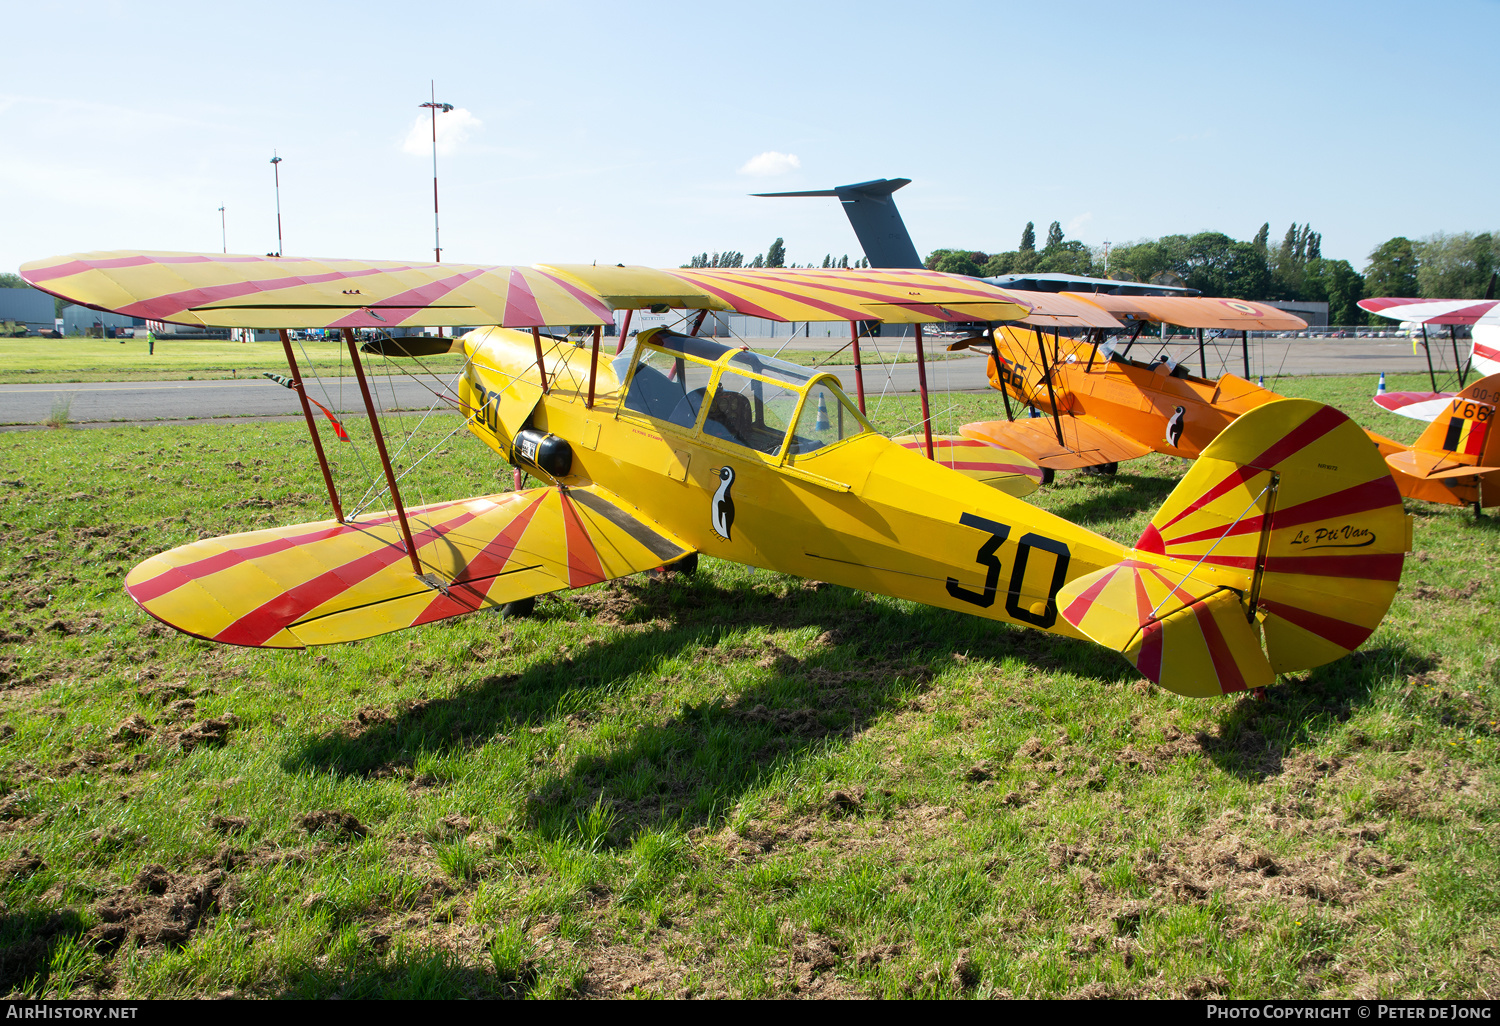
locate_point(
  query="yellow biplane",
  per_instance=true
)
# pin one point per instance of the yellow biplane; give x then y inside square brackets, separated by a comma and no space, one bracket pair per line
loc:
[1280,550]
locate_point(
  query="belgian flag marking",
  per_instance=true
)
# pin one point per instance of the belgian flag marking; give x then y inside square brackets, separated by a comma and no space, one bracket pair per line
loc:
[1466,434]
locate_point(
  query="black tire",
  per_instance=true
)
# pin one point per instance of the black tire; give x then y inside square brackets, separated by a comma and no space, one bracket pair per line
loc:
[1048,475]
[686,565]
[520,607]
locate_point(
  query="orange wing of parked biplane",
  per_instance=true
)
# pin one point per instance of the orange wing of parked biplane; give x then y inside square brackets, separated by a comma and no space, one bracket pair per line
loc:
[1085,442]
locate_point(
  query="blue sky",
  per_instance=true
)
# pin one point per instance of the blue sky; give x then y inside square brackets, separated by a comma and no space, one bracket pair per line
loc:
[628,133]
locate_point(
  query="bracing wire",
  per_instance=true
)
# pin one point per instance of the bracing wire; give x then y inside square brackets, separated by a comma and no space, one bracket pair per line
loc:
[1229,527]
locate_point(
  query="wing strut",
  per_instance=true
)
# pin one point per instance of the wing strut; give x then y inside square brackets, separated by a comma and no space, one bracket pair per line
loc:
[624,332]
[1000,372]
[1457,363]
[1431,376]
[859,373]
[1041,347]
[385,460]
[1203,360]
[922,383]
[312,428]
[594,363]
[541,369]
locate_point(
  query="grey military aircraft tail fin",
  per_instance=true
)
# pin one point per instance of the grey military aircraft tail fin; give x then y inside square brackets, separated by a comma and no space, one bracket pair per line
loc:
[872,212]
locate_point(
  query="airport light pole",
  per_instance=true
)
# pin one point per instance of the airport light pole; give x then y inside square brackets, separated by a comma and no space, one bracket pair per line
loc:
[435,107]
[224,228]
[275,167]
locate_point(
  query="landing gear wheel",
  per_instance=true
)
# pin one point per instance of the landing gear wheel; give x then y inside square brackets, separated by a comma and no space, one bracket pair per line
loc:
[686,565]
[520,607]
[1048,475]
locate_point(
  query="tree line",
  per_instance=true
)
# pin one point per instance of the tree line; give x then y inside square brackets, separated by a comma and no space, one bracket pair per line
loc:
[1440,266]
[775,256]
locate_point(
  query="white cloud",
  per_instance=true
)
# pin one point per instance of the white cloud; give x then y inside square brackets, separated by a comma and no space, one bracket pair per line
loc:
[771,163]
[453,129]
[1079,221]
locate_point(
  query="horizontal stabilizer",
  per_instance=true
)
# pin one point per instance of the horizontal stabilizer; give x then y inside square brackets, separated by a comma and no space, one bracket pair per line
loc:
[1186,632]
[324,583]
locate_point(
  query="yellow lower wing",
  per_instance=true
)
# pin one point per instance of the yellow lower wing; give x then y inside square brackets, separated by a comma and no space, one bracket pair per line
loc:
[324,583]
[1002,469]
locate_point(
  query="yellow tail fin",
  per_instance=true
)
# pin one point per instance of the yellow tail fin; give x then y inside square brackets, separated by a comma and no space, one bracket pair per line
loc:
[1288,533]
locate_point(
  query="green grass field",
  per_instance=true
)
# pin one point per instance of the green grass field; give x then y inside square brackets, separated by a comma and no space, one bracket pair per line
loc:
[40,361]
[736,783]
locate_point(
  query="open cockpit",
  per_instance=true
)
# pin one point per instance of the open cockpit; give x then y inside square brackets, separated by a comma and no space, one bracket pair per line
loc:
[733,396]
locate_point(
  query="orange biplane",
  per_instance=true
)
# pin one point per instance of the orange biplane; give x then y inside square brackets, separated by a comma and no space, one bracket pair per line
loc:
[1102,408]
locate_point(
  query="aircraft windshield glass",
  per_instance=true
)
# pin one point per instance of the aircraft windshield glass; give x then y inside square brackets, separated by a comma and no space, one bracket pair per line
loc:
[755,363]
[826,418]
[702,348]
[751,412]
[668,387]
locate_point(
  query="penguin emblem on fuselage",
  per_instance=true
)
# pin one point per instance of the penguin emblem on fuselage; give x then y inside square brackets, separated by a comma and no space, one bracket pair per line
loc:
[1174,428]
[721,511]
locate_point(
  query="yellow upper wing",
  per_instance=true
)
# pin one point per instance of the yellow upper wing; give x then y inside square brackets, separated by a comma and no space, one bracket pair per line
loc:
[215,290]
[323,583]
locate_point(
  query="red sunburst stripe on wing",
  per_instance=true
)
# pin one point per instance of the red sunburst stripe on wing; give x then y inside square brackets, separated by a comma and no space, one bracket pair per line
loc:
[175,577]
[1230,678]
[162,307]
[583,561]
[73,267]
[1380,492]
[930,280]
[474,581]
[588,299]
[844,289]
[521,310]
[1341,632]
[260,625]
[416,298]
[737,304]
[1374,567]
[843,312]
[1079,607]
